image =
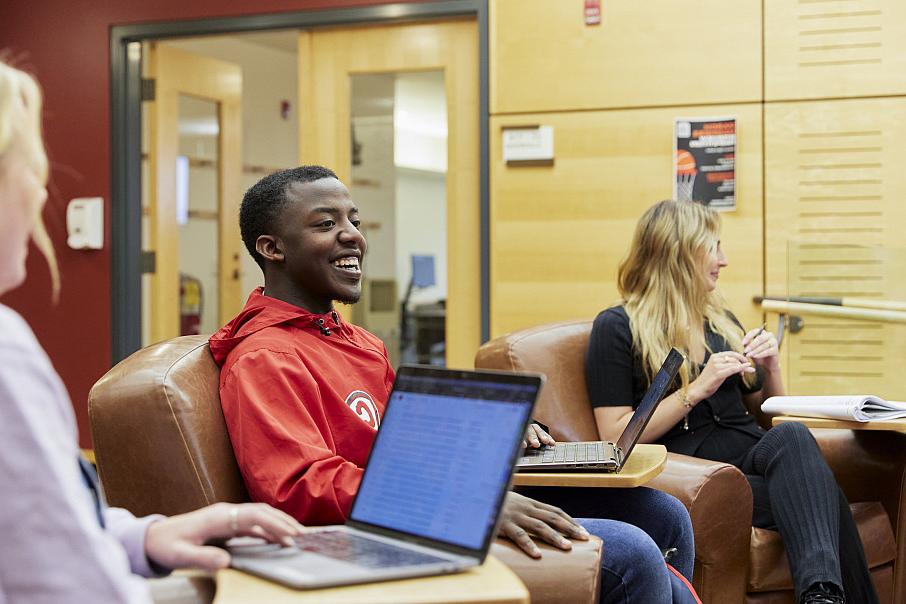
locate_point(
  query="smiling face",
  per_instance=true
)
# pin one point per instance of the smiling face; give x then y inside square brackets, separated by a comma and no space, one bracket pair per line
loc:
[319,243]
[714,260]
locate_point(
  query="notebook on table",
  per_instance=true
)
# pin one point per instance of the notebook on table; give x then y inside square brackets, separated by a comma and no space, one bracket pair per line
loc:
[431,494]
[604,456]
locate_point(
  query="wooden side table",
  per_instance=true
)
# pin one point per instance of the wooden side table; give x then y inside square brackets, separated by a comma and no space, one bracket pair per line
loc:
[646,462]
[490,583]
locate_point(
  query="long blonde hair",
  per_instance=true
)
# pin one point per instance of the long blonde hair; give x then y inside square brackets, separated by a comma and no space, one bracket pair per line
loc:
[663,286]
[20,130]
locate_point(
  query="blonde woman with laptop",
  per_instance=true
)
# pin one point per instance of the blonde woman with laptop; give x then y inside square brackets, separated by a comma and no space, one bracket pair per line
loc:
[668,285]
[60,542]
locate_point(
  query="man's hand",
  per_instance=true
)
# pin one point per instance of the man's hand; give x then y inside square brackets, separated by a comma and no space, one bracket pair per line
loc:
[179,541]
[523,517]
[535,436]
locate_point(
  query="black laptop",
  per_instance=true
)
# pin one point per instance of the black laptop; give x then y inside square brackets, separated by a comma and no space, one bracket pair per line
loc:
[599,455]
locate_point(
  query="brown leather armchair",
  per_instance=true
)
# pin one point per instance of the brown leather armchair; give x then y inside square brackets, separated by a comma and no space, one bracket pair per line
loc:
[734,562]
[162,446]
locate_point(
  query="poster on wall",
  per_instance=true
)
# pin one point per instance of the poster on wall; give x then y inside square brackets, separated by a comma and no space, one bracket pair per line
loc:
[704,161]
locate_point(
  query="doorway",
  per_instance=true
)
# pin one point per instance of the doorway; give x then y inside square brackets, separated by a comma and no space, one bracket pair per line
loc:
[413,91]
[398,178]
[470,253]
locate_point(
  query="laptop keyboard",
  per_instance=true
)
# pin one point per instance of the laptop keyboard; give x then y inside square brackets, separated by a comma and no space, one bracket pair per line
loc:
[592,452]
[341,545]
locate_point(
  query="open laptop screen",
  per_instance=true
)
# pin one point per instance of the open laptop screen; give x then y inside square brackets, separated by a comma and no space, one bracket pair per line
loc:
[650,401]
[444,454]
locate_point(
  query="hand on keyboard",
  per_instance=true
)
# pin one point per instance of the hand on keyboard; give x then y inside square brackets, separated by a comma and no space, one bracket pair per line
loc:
[535,436]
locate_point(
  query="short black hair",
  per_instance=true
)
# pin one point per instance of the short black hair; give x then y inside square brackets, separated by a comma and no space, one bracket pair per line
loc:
[264,202]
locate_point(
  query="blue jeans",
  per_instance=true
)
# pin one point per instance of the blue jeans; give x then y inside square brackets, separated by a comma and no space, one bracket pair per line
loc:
[635,525]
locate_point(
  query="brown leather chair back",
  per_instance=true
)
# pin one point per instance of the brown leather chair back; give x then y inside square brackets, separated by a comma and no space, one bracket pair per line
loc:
[558,351]
[161,407]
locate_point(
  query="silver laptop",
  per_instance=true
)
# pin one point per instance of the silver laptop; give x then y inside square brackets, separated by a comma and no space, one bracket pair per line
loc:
[430,498]
[603,456]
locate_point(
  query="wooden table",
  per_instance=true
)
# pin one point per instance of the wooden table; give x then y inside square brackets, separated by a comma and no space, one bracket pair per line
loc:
[893,425]
[490,583]
[645,463]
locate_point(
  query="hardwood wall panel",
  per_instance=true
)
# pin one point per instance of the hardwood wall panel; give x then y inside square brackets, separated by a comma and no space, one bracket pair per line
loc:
[834,207]
[658,52]
[558,232]
[834,48]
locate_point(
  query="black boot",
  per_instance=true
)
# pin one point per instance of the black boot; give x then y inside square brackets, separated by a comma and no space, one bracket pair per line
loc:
[822,593]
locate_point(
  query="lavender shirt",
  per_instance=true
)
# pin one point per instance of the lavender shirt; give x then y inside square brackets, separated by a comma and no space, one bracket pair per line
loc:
[53,548]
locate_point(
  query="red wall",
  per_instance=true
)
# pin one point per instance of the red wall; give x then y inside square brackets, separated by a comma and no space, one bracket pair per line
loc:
[65,43]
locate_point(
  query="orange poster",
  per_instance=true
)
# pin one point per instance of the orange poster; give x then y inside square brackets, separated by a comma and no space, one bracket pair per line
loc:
[704,161]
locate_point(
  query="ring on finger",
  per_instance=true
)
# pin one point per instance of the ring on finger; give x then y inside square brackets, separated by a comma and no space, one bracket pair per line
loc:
[234,520]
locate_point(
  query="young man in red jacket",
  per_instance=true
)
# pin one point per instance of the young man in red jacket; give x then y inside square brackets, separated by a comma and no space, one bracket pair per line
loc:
[303,392]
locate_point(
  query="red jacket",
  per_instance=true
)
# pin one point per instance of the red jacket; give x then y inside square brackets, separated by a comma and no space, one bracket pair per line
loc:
[302,403]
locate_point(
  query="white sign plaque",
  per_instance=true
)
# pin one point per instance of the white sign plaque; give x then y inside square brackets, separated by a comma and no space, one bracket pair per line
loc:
[528,144]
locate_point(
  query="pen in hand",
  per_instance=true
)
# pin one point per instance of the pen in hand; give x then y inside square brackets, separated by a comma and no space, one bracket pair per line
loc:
[758,333]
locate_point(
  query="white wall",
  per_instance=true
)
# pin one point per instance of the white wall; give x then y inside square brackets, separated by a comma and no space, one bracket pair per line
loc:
[420,155]
[420,121]
[421,220]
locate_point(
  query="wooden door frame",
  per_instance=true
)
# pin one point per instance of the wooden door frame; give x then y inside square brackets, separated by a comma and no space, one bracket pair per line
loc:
[126,93]
[175,73]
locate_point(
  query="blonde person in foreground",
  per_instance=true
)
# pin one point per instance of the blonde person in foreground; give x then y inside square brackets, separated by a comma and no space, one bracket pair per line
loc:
[60,542]
[668,285]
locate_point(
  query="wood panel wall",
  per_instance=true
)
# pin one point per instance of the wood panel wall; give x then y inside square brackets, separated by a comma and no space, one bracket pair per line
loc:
[819,91]
[559,232]
[657,52]
[834,48]
[835,217]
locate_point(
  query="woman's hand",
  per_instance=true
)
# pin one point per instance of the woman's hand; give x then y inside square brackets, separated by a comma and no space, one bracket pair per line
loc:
[523,517]
[535,436]
[719,367]
[762,347]
[179,541]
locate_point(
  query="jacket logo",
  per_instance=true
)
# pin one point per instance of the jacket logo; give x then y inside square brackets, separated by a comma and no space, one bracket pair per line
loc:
[362,405]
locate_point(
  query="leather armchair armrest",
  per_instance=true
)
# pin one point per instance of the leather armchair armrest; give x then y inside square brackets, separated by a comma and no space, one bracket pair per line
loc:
[558,577]
[868,465]
[719,501]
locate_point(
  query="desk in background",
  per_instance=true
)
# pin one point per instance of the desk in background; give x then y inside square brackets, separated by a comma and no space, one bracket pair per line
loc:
[893,425]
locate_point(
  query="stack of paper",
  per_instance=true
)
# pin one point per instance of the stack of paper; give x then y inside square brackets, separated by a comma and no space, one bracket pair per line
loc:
[859,407]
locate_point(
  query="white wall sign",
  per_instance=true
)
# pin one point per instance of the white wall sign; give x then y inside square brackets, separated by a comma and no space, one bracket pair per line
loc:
[85,223]
[530,144]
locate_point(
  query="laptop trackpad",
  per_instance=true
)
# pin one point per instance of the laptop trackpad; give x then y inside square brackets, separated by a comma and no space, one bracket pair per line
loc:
[300,569]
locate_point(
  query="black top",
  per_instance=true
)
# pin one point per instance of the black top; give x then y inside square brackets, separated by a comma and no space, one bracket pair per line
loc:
[720,426]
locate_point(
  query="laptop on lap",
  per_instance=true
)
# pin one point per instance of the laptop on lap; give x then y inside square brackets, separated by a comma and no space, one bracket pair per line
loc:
[603,456]
[431,494]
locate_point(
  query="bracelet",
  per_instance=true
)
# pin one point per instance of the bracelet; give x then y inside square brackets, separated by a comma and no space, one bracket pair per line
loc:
[684,399]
